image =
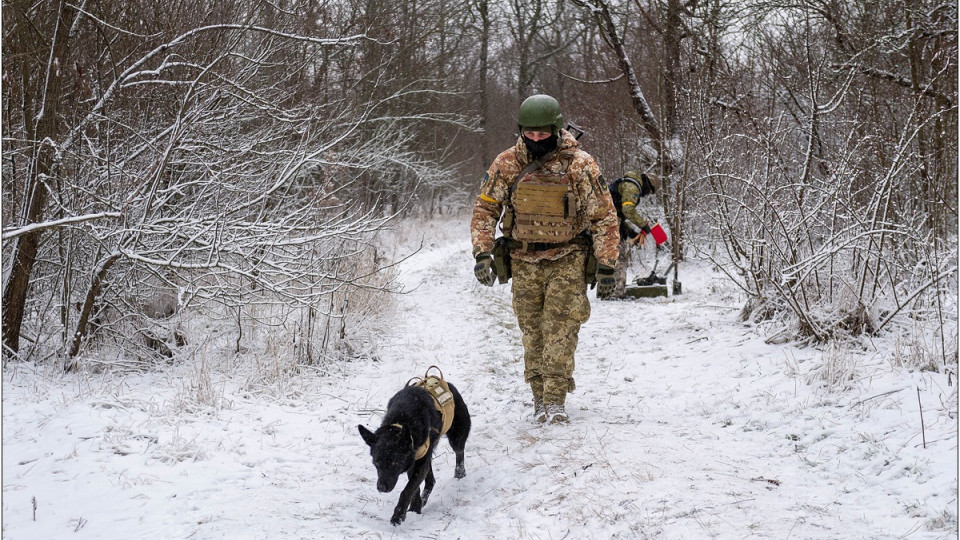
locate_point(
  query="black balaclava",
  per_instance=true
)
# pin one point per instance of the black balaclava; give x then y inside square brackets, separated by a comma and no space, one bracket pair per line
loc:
[538,149]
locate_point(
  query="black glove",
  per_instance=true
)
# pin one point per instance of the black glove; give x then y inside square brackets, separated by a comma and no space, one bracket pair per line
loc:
[605,281]
[484,268]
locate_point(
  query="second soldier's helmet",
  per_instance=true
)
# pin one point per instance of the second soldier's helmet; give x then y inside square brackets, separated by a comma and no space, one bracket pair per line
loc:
[649,182]
[538,111]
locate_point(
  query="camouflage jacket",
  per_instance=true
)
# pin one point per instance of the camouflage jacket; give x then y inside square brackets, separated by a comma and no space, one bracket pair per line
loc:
[630,195]
[595,210]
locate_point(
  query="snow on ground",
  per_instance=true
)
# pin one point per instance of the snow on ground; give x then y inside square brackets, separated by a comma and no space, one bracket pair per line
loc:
[684,425]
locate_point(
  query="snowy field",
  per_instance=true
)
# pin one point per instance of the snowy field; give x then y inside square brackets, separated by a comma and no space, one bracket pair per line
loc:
[685,425]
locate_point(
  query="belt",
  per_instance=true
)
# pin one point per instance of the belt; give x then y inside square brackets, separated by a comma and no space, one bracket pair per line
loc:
[579,240]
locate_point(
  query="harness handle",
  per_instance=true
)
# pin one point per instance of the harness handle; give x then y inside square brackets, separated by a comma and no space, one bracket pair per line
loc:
[419,381]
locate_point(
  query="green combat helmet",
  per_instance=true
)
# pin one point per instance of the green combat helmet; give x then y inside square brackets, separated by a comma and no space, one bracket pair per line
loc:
[538,111]
[649,182]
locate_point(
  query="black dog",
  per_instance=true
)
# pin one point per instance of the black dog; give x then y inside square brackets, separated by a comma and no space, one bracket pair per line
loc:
[410,422]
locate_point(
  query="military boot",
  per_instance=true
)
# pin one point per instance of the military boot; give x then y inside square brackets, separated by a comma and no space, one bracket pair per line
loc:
[539,411]
[555,413]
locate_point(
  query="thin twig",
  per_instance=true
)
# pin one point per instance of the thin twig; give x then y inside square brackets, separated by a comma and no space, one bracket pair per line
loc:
[923,431]
[862,401]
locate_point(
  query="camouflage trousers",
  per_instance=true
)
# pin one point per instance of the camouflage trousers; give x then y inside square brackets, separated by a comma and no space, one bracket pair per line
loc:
[620,270]
[550,301]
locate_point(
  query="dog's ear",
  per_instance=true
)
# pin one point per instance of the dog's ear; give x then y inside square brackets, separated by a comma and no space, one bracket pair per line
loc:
[368,436]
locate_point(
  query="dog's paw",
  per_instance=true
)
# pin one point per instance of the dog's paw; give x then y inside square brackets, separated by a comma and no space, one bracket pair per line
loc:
[398,518]
[460,471]
[416,503]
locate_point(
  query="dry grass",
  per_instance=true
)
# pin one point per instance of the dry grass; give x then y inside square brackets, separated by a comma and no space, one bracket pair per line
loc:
[838,369]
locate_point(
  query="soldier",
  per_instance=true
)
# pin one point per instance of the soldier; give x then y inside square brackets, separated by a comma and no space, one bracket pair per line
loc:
[557,212]
[626,192]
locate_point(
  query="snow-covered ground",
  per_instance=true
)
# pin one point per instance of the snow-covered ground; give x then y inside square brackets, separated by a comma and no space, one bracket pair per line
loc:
[685,424]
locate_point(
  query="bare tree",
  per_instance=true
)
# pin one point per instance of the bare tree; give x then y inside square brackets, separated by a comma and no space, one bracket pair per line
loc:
[40,86]
[817,204]
[611,33]
[242,155]
[196,162]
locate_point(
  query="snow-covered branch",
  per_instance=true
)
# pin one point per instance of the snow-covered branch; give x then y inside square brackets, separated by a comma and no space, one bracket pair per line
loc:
[10,234]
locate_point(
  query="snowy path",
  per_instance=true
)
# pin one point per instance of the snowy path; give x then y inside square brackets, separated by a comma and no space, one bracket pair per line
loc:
[684,425]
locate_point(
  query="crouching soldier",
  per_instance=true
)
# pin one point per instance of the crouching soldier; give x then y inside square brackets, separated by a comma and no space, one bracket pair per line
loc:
[626,193]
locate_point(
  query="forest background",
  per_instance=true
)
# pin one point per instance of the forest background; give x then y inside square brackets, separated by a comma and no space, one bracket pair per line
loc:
[172,167]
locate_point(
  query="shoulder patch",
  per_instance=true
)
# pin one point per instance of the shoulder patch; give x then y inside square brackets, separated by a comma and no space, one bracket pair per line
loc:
[487,186]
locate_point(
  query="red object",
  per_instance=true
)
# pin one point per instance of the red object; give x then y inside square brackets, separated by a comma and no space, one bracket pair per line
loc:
[659,236]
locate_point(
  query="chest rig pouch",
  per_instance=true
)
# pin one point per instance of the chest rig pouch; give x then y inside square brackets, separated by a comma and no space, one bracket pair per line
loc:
[545,208]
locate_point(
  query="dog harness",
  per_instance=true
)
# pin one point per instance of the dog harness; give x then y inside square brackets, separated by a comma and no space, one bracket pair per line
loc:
[439,390]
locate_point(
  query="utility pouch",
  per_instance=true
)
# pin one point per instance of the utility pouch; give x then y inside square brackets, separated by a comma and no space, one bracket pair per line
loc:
[501,260]
[590,270]
[506,224]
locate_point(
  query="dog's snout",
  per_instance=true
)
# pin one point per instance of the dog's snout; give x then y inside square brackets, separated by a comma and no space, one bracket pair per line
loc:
[383,487]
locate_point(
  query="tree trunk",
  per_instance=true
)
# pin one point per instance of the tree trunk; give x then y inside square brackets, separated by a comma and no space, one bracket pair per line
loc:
[484,12]
[671,68]
[96,286]
[46,130]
